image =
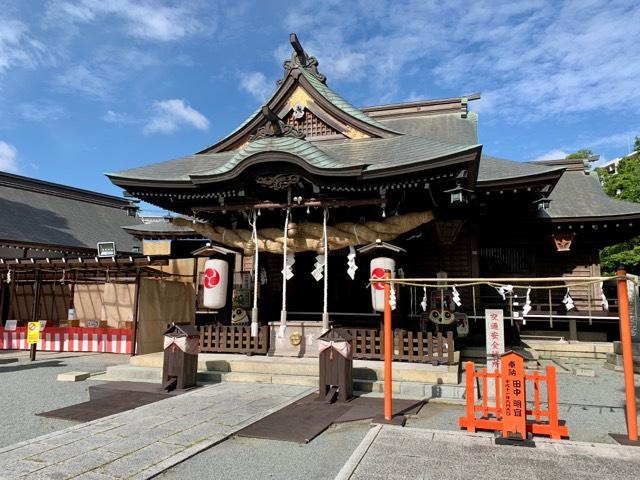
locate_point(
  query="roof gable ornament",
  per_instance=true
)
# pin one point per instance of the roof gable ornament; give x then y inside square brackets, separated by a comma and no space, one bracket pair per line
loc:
[274,127]
[300,59]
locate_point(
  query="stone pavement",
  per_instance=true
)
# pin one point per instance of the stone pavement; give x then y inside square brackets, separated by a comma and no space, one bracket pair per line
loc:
[143,442]
[411,453]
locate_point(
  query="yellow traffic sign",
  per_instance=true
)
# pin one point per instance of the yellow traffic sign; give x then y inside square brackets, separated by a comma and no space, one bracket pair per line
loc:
[33,332]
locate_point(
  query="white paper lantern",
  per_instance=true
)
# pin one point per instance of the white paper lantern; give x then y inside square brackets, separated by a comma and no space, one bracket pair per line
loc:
[377,269]
[214,282]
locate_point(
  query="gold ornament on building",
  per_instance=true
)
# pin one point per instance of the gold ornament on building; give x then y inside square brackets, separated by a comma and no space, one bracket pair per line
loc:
[295,339]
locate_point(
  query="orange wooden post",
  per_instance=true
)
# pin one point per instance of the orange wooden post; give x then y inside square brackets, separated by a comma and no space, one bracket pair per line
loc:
[485,393]
[388,349]
[514,396]
[471,396]
[536,395]
[627,354]
[552,404]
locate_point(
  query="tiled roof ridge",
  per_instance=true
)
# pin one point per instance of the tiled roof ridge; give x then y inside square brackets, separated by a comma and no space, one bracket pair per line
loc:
[339,102]
[51,188]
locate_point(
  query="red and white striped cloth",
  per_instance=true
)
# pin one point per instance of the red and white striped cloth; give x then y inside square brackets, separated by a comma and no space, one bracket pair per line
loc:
[71,339]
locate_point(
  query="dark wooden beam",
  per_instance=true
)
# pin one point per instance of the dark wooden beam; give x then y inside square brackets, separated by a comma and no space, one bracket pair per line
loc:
[274,206]
[85,263]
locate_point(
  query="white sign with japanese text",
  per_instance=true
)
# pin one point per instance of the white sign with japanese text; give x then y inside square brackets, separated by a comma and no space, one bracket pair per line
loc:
[494,325]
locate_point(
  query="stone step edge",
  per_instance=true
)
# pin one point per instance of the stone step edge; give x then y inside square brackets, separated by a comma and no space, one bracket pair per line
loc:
[444,393]
[247,364]
[157,373]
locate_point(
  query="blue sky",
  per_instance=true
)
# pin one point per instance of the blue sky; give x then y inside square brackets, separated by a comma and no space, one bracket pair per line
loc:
[91,86]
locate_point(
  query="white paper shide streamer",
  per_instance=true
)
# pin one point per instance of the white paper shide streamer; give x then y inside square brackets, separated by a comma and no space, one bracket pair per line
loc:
[503,290]
[604,302]
[568,301]
[455,296]
[288,266]
[527,306]
[423,303]
[351,263]
[392,297]
[316,273]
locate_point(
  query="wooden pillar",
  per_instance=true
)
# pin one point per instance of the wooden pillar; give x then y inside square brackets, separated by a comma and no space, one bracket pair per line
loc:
[573,329]
[388,349]
[627,355]
[136,301]
[2,301]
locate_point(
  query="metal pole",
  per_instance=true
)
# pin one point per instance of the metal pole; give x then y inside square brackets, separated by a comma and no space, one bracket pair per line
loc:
[388,349]
[627,354]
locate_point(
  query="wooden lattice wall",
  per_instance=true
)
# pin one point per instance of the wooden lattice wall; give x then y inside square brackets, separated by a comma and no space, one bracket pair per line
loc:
[311,125]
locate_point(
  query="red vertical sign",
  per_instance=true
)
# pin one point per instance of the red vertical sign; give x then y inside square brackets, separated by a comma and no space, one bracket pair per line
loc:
[514,397]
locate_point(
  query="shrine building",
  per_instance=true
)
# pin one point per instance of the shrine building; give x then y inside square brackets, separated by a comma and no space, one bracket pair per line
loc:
[302,198]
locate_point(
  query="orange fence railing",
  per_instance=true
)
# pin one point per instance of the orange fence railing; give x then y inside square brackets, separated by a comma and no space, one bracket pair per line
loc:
[507,411]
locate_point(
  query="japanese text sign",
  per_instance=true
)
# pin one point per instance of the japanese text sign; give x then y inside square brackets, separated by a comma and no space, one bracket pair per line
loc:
[494,324]
[33,332]
[514,398]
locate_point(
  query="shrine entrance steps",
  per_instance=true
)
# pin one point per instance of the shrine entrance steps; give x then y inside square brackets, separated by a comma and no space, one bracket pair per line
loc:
[410,380]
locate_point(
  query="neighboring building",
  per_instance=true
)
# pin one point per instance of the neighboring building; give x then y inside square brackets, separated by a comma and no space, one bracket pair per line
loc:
[412,174]
[50,269]
[44,219]
[611,166]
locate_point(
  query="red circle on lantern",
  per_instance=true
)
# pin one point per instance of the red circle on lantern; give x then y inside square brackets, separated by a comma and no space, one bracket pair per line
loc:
[211,278]
[378,273]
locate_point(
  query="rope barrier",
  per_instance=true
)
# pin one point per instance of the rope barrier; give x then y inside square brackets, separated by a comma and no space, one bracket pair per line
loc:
[462,283]
[253,221]
[283,313]
[325,242]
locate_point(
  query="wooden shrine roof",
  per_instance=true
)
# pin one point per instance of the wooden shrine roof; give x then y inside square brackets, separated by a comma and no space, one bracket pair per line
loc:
[364,157]
[579,195]
[367,149]
[34,212]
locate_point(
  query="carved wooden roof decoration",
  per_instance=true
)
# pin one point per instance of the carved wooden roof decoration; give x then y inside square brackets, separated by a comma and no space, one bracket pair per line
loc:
[275,127]
[299,58]
[303,88]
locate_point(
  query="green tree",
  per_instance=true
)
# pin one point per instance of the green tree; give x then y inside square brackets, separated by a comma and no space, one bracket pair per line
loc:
[582,153]
[624,185]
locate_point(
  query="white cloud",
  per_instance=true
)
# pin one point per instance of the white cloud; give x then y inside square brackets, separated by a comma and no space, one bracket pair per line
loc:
[622,139]
[256,84]
[18,47]
[108,67]
[142,18]
[172,114]
[119,118]
[82,79]
[534,59]
[8,154]
[40,112]
[555,154]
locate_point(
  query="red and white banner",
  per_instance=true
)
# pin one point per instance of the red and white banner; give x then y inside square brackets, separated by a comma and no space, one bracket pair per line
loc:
[71,339]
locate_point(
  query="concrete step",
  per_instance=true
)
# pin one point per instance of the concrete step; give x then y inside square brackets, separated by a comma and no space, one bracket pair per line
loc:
[361,385]
[276,366]
[131,373]
[616,362]
[635,347]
